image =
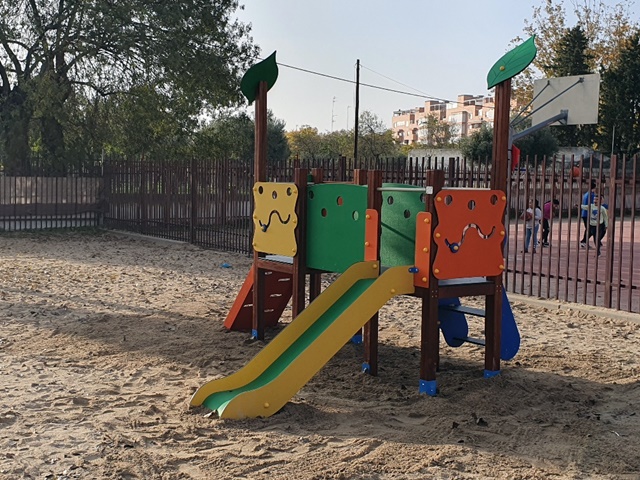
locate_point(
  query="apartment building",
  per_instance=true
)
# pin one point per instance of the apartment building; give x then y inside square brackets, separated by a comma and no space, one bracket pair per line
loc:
[465,115]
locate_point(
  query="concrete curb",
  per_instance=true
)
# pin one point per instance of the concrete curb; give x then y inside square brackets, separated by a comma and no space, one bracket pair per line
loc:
[588,309]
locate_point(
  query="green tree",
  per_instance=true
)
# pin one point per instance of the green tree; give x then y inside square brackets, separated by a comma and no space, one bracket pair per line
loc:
[478,145]
[620,101]
[145,122]
[51,50]
[375,141]
[232,136]
[434,133]
[305,143]
[606,26]
[538,145]
[338,143]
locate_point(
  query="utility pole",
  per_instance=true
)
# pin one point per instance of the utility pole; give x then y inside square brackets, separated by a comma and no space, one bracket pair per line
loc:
[333,117]
[355,129]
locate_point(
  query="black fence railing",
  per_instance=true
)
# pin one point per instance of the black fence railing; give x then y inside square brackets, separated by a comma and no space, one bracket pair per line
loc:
[210,203]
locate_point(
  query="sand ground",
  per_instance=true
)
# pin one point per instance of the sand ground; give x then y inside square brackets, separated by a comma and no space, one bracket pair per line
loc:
[104,337]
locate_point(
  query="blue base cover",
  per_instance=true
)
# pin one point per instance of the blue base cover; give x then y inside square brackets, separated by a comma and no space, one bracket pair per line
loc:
[454,326]
[429,387]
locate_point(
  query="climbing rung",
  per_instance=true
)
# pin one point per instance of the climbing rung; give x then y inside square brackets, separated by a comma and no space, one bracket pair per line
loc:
[478,312]
[475,341]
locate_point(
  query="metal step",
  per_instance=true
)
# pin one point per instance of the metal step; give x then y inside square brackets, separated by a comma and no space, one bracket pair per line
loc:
[478,312]
[475,341]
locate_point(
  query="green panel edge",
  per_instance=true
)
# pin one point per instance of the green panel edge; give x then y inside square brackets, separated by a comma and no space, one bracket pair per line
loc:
[264,71]
[512,63]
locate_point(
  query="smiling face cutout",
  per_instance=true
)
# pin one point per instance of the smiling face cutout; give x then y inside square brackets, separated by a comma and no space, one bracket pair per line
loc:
[275,218]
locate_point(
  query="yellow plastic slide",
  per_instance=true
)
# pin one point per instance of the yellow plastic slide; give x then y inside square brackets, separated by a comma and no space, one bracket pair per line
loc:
[291,359]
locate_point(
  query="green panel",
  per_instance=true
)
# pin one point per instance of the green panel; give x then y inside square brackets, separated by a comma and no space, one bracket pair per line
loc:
[335,225]
[512,63]
[264,71]
[399,210]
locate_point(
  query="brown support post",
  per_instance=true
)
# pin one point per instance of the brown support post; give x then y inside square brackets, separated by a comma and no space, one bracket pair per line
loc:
[300,258]
[360,178]
[315,285]
[499,178]
[500,158]
[374,181]
[259,175]
[260,156]
[429,327]
[315,278]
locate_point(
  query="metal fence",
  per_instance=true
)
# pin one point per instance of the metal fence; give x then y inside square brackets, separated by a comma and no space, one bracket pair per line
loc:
[49,198]
[209,203]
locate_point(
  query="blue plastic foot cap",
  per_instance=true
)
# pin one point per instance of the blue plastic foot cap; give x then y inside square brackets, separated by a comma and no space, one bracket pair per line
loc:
[366,368]
[491,373]
[254,334]
[357,339]
[429,387]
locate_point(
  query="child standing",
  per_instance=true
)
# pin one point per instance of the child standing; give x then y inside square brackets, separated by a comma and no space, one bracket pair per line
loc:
[549,210]
[532,216]
[598,221]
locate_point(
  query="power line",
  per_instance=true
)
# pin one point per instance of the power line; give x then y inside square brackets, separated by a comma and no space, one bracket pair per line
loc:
[377,87]
[408,86]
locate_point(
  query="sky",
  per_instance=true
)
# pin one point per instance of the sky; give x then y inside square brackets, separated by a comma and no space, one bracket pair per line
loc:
[426,47]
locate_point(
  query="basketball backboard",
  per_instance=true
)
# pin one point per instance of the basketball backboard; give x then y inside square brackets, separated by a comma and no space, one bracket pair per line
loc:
[577,94]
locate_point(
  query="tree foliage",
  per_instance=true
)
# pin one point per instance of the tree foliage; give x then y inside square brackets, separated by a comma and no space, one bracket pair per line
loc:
[232,136]
[620,101]
[434,133]
[538,145]
[375,141]
[53,51]
[605,25]
[478,145]
[305,143]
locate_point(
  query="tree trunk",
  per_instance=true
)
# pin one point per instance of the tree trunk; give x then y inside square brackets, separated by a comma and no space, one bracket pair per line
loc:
[15,118]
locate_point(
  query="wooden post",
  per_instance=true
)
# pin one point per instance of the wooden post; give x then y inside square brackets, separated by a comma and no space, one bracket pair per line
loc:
[499,178]
[374,181]
[300,258]
[429,328]
[500,157]
[260,155]
[259,175]
[315,278]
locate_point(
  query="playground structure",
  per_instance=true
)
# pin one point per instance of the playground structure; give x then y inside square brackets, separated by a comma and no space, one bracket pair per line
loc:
[384,240]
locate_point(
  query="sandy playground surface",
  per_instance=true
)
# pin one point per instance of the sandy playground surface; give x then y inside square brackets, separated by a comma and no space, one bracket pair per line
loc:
[104,338]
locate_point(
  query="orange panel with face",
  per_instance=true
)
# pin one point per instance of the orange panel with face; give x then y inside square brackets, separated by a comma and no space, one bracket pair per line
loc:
[470,233]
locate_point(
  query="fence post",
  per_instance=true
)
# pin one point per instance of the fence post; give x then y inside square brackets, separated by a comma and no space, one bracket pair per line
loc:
[143,196]
[194,201]
[452,181]
[613,193]
[342,175]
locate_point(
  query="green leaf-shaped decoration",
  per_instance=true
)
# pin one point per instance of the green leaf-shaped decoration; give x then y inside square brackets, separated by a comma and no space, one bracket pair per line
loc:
[264,71]
[512,63]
